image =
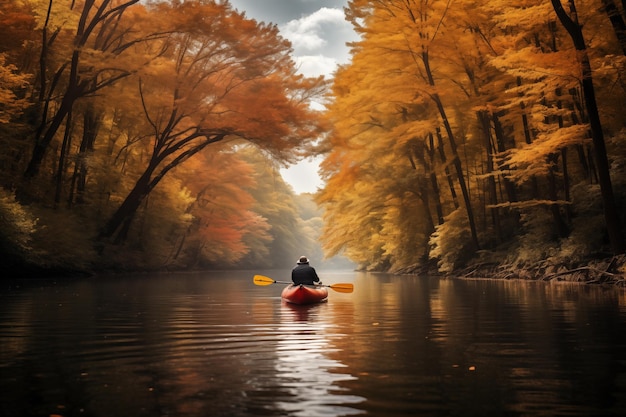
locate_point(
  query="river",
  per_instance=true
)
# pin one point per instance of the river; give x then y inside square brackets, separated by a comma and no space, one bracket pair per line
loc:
[215,344]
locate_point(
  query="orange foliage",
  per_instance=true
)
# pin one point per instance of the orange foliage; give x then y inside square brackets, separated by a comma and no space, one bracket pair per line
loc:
[447,99]
[219,78]
[17,25]
[222,210]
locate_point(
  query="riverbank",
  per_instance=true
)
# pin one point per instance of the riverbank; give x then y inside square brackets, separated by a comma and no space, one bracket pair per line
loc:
[610,271]
[605,271]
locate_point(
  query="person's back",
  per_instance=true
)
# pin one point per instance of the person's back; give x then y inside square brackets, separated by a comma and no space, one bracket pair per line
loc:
[303,273]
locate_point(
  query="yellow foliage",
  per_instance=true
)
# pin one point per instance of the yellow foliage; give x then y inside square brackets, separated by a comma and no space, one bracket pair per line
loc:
[499,78]
[10,81]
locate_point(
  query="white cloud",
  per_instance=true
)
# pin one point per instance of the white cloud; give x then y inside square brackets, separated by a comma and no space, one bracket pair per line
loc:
[319,44]
[314,32]
[315,65]
[308,32]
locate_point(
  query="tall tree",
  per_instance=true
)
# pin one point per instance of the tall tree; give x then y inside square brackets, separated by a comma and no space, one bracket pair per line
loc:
[220,77]
[389,110]
[97,34]
[425,69]
[573,27]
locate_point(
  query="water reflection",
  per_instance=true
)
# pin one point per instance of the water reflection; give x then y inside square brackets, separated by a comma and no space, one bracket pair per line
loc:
[217,345]
[304,367]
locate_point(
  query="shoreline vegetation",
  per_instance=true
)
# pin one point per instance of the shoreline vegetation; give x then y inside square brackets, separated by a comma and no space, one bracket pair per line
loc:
[608,271]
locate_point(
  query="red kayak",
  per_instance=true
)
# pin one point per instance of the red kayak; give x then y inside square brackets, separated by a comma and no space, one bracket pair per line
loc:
[304,294]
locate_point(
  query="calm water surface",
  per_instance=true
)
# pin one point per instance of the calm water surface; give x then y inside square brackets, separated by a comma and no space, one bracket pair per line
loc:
[214,344]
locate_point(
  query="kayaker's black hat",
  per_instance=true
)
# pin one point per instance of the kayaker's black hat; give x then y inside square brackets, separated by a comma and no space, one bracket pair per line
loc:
[303,260]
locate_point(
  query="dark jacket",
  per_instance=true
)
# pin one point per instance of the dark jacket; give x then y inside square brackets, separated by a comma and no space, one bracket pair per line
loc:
[304,274]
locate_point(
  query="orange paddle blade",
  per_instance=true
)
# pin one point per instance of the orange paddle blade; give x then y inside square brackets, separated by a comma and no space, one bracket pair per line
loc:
[262,280]
[347,288]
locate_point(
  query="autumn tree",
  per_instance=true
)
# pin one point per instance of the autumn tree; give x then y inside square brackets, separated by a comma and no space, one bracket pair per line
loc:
[409,119]
[489,89]
[17,24]
[123,95]
[573,27]
[16,32]
[549,83]
[11,82]
[220,76]
[221,228]
[79,46]
[455,124]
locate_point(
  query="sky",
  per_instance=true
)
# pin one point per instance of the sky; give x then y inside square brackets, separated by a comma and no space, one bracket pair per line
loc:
[318,33]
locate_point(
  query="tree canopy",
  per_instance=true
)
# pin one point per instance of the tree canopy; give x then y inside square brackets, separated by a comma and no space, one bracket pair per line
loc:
[487,130]
[137,120]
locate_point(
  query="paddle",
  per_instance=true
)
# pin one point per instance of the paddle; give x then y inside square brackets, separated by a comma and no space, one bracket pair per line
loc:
[263,280]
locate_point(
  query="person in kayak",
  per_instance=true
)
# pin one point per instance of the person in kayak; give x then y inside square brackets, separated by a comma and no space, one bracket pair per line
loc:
[303,273]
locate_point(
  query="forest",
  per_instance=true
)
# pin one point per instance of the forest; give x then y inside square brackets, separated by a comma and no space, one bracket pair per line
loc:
[148,135]
[480,135]
[463,136]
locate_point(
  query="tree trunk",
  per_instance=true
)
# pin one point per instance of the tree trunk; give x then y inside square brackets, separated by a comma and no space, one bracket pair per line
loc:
[76,87]
[433,179]
[65,147]
[610,210]
[418,153]
[91,125]
[617,22]
[42,143]
[492,194]
[501,147]
[444,161]
[456,160]
[118,225]
[566,190]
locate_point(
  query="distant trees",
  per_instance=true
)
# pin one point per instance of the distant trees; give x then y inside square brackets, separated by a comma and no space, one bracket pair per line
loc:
[468,129]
